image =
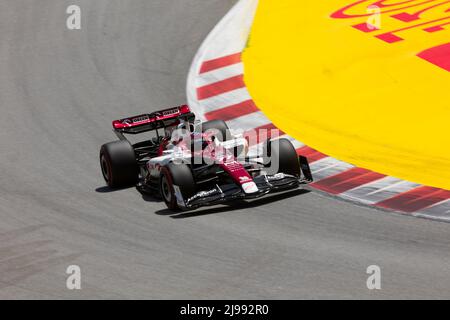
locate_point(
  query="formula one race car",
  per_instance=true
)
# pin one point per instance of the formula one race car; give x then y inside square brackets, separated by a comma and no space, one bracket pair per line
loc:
[192,164]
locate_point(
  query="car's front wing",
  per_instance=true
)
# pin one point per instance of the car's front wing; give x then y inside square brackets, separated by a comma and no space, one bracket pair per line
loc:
[225,193]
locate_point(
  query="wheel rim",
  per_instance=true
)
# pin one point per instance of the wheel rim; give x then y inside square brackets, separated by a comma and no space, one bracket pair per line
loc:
[165,188]
[105,168]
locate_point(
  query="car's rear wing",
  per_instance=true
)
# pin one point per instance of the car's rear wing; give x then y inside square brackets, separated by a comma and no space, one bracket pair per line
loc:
[153,121]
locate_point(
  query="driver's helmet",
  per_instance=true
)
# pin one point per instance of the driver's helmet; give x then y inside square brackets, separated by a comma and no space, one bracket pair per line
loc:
[168,131]
[177,133]
[186,126]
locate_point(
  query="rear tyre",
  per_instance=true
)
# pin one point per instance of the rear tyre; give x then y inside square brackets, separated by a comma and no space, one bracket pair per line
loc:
[281,157]
[118,164]
[176,176]
[219,125]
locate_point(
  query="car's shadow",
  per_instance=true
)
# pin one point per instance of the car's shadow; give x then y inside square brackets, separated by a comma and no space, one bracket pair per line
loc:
[146,196]
[232,206]
[150,198]
[106,189]
[225,207]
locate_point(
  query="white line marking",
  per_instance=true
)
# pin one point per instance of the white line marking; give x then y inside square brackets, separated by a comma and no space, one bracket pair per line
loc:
[225,100]
[220,74]
[328,167]
[249,121]
[380,190]
[438,210]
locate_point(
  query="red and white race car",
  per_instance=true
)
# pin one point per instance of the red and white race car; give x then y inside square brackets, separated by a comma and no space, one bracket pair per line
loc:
[192,164]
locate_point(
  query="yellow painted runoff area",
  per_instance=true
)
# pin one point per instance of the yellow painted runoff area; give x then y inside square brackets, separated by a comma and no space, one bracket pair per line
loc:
[349,81]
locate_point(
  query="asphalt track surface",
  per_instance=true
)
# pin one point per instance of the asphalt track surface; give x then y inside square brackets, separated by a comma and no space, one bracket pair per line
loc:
[60,90]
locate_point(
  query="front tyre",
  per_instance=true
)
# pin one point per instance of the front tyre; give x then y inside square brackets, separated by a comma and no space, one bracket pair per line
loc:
[218,125]
[281,157]
[176,182]
[118,164]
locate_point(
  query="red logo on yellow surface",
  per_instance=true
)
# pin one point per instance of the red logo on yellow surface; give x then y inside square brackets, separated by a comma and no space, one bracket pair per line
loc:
[429,16]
